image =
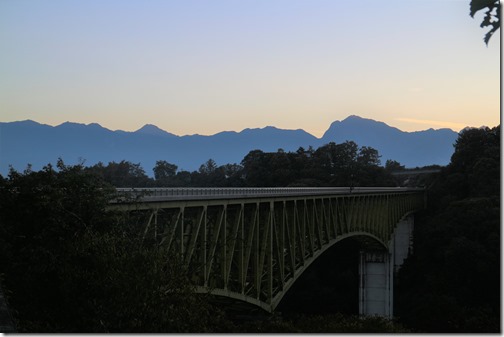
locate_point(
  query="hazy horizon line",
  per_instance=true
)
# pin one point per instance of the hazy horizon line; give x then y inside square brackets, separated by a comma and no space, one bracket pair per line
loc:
[456,127]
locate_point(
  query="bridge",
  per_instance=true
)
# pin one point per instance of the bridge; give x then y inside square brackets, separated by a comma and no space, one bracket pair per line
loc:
[252,244]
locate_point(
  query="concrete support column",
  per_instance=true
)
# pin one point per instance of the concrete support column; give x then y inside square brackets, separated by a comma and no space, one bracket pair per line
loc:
[376,284]
[377,270]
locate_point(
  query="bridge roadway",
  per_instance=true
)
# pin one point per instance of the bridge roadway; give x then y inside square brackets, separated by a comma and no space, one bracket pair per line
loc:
[252,244]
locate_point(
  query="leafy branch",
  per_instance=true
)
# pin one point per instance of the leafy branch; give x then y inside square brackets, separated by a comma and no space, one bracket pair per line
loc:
[492,15]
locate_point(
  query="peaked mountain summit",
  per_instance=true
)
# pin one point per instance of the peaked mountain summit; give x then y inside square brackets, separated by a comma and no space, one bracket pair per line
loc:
[150,129]
[419,148]
[29,142]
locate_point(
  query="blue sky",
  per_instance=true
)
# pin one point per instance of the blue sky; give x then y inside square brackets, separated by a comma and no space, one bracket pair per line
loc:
[207,66]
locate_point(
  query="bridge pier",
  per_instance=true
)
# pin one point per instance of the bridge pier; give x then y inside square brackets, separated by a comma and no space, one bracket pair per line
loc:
[378,268]
[376,284]
[401,243]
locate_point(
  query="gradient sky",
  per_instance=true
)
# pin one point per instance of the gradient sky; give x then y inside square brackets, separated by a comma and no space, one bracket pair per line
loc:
[201,66]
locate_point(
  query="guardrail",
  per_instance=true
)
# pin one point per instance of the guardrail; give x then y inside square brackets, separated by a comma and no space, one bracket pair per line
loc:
[413,172]
[191,193]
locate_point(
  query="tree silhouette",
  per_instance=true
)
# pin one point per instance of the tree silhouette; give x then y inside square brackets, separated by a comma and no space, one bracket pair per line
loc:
[452,281]
[164,170]
[492,15]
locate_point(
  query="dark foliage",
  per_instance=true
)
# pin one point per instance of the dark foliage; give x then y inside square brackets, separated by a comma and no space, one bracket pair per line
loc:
[333,164]
[327,323]
[492,15]
[69,265]
[452,282]
[124,174]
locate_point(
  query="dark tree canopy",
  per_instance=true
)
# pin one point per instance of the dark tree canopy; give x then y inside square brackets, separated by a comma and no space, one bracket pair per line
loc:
[492,15]
[164,170]
[452,281]
[122,174]
[70,265]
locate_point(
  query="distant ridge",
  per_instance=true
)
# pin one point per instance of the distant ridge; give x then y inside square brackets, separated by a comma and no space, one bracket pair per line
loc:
[27,142]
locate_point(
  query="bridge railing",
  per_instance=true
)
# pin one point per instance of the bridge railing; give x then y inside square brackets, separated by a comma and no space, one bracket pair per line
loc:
[181,193]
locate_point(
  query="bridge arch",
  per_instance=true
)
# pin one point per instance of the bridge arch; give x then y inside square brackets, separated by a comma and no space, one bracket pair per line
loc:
[331,283]
[253,249]
[366,241]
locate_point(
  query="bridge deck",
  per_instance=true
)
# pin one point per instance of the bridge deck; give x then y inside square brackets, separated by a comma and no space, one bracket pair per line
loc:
[210,193]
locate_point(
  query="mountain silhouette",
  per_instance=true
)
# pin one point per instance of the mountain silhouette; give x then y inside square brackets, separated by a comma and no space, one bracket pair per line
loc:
[29,142]
[419,148]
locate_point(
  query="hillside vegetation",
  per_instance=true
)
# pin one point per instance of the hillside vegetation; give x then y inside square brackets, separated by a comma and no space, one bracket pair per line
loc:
[452,281]
[332,164]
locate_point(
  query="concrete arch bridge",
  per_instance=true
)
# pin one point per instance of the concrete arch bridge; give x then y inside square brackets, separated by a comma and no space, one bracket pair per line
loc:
[252,244]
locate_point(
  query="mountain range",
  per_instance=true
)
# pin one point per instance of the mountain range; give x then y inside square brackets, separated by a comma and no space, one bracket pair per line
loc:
[29,142]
